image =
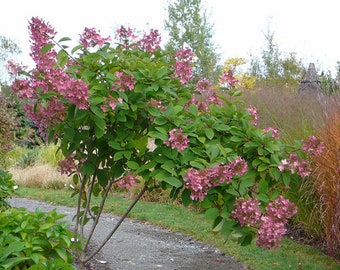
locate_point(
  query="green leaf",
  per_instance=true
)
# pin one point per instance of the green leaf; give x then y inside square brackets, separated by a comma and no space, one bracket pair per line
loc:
[186,200]
[173,181]
[263,186]
[76,48]
[99,122]
[262,167]
[212,214]
[132,165]
[97,111]
[62,253]
[263,197]
[209,133]
[46,48]
[62,58]
[64,39]
[118,155]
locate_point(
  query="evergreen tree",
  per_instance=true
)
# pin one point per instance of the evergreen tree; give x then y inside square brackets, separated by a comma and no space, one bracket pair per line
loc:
[188,26]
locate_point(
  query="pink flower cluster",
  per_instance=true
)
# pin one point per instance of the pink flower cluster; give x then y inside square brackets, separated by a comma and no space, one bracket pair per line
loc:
[124,81]
[67,165]
[41,34]
[91,37]
[177,139]
[253,112]
[14,68]
[313,147]
[228,77]
[247,212]
[199,182]
[150,42]
[295,165]
[271,226]
[110,102]
[275,132]
[46,78]
[125,36]
[127,181]
[207,96]
[182,65]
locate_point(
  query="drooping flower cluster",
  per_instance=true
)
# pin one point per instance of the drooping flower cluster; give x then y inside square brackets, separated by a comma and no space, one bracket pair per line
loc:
[253,112]
[47,78]
[150,42]
[182,65]
[199,182]
[207,96]
[247,212]
[295,166]
[91,37]
[271,225]
[124,81]
[228,77]
[313,147]
[275,132]
[41,34]
[127,181]
[177,139]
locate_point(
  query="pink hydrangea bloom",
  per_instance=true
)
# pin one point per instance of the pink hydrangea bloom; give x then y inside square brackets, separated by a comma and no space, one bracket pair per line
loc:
[247,212]
[313,147]
[125,36]
[293,164]
[127,181]
[253,112]
[91,37]
[14,68]
[150,42]
[177,139]
[275,132]
[124,81]
[270,233]
[228,77]
[67,165]
[281,209]
[199,182]
[182,65]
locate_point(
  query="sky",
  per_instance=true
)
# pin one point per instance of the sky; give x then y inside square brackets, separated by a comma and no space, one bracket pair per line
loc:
[307,27]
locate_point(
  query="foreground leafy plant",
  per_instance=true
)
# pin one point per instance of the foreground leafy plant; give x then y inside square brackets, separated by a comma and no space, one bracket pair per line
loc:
[130,112]
[34,239]
[6,188]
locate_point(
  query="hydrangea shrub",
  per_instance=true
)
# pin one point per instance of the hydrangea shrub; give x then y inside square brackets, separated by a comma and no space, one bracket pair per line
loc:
[126,111]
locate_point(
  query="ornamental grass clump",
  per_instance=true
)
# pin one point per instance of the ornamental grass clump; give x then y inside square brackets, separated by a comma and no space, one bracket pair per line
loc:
[128,112]
[325,183]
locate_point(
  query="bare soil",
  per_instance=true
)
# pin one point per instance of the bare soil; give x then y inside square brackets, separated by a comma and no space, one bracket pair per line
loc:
[142,246]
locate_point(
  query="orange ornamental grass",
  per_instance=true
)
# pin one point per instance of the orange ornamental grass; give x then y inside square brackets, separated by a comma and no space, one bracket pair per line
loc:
[326,182]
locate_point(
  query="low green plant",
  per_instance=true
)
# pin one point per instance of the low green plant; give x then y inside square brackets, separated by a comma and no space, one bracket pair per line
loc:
[30,158]
[6,188]
[28,239]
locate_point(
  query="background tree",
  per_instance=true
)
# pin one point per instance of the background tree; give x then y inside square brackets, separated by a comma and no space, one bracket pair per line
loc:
[274,67]
[8,50]
[188,25]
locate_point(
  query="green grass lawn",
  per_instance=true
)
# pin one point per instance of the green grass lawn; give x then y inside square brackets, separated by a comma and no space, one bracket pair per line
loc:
[191,222]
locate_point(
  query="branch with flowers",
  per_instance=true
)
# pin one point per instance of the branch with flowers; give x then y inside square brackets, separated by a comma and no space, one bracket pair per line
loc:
[128,112]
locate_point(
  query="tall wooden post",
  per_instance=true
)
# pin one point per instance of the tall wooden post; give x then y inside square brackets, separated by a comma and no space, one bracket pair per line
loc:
[311,80]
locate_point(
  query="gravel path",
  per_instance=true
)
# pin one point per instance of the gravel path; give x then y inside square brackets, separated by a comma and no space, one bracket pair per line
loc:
[143,246]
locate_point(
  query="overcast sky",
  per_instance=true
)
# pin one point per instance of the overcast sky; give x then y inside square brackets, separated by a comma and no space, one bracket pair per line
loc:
[308,27]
